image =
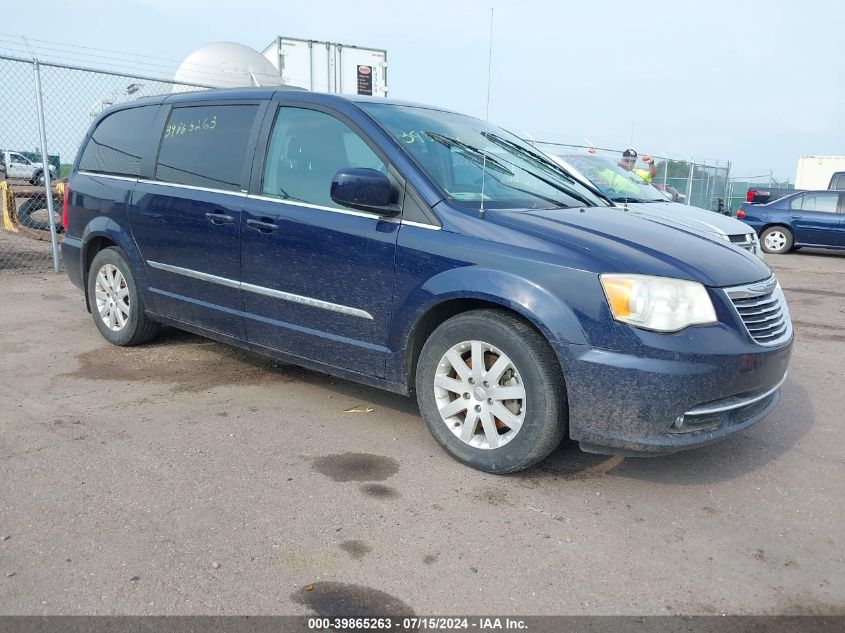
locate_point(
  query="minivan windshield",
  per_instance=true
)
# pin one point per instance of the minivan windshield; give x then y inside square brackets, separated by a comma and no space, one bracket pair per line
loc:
[613,180]
[454,151]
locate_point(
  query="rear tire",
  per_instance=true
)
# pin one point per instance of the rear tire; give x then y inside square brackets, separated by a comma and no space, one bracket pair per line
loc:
[776,240]
[502,414]
[116,306]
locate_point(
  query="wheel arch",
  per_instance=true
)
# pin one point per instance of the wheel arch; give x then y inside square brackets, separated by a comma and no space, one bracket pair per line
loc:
[781,224]
[103,233]
[550,317]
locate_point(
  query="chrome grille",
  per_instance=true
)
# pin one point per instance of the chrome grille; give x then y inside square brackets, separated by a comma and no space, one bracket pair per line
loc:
[743,240]
[762,309]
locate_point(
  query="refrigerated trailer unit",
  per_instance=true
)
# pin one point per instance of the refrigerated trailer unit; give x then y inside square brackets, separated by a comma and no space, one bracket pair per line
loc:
[816,172]
[329,66]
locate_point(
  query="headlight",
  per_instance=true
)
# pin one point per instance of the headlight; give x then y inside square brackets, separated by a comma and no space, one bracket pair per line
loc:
[662,304]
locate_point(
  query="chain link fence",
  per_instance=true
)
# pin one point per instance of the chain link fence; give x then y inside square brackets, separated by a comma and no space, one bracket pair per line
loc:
[738,188]
[700,183]
[52,123]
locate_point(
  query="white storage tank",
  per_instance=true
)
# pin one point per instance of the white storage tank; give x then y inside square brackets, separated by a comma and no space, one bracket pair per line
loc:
[227,65]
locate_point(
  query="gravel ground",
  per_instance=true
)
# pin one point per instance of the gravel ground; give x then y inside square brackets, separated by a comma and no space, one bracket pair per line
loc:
[188,477]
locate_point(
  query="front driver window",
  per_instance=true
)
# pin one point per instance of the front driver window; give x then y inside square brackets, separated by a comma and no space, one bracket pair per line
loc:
[307,148]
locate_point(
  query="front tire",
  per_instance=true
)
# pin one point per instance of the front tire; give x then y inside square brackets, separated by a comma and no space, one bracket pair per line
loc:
[776,240]
[116,306]
[491,392]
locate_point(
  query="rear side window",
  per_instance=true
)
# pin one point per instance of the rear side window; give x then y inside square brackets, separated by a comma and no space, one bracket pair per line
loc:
[206,146]
[838,181]
[117,145]
[823,202]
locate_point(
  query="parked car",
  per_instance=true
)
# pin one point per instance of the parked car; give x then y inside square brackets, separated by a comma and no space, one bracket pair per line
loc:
[623,187]
[837,181]
[808,218]
[16,165]
[382,242]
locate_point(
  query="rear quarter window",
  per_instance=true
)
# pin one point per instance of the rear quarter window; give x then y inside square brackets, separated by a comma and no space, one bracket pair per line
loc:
[116,145]
[206,146]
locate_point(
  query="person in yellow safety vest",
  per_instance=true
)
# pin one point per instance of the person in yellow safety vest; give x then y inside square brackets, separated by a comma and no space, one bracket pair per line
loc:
[629,159]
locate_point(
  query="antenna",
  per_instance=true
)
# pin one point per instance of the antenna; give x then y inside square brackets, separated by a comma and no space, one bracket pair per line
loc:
[486,116]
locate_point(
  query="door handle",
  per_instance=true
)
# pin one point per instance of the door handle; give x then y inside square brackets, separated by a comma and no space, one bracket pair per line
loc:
[219,218]
[796,217]
[262,225]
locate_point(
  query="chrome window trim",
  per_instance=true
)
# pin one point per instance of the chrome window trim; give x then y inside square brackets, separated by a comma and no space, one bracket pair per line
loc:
[240,194]
[95,174]
[360,214]
[262,290]
[420,225]
[319,207]
[738,403]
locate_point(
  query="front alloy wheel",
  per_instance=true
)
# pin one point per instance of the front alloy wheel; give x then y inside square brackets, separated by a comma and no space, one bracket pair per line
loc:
[480,394]
[490,391]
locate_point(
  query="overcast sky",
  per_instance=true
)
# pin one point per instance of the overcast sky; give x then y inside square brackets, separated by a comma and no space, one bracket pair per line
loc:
[756,83]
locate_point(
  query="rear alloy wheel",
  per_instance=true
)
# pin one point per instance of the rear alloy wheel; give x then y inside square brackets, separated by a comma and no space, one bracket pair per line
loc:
[776,240]
[117,308]
[491,392]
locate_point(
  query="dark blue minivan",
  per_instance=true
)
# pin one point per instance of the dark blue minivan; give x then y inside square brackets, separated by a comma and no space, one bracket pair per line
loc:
[423,252]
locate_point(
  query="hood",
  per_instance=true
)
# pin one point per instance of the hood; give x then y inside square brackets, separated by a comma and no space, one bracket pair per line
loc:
[690,218]
[631,241]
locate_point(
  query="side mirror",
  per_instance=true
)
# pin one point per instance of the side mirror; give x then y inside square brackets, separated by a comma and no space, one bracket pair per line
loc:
[364,189]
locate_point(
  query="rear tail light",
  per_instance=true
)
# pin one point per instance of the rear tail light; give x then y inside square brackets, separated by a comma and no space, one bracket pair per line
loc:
[749,197]
[64,205]
[740,214]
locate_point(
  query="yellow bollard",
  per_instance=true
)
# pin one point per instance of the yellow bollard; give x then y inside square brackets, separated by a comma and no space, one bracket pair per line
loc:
[7,203]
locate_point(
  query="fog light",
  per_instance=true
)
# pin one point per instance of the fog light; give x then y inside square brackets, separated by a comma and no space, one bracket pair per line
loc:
[679,422]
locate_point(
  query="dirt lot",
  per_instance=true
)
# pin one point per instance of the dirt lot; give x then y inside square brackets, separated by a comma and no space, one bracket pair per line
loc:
[187,477]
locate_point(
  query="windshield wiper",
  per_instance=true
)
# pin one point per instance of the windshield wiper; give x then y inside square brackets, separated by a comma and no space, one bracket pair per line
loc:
[627,199]
[473,153]
[544,165]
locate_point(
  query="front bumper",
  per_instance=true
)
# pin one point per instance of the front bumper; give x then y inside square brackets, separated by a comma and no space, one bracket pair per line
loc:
[657,401]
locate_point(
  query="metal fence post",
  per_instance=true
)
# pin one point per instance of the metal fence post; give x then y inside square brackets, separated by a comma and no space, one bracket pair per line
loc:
[689,182]
[48,191]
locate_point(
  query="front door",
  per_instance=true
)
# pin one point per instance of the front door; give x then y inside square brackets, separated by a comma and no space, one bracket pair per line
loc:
[19,167]
[186,220]
[815,218]
[317,277]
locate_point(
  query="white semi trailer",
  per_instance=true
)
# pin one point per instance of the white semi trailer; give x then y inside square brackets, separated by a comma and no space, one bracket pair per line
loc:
[820,172]
[329,66]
